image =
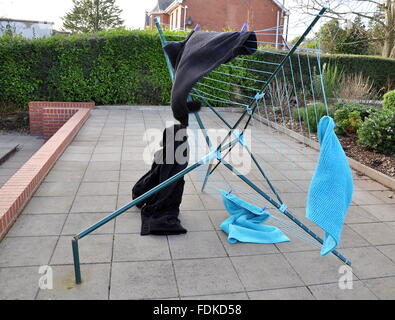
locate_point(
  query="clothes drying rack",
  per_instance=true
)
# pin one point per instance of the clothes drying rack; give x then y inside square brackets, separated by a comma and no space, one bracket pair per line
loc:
[217,154]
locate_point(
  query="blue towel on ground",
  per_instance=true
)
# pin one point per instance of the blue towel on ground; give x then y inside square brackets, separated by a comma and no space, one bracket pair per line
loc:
[244,224]
[331,188]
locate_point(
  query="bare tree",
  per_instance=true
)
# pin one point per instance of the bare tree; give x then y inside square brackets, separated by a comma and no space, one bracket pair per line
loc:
[378,12]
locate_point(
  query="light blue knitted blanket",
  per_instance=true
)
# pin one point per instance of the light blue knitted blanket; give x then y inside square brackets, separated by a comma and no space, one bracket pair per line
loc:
[331,188]
[245,222]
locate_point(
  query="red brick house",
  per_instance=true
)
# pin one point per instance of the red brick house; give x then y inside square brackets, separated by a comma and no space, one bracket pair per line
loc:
[221,15]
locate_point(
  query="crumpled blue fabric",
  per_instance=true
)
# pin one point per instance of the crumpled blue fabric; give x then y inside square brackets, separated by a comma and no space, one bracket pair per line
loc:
[331,187]
[245,222]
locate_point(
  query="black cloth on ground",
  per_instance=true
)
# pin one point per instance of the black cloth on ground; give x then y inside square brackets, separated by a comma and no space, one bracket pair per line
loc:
[159,212]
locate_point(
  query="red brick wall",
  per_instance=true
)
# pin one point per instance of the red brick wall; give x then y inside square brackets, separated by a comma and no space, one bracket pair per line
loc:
[220,15]
[16,192]
[54,118]
[164,19]
[45,117]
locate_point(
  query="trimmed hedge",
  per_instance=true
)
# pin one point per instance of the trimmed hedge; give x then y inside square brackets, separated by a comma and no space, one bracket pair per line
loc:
[380,70]
[116,67]
[128,67]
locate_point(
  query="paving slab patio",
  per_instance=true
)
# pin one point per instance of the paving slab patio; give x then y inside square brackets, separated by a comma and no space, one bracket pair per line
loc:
[27,146]
[95,175]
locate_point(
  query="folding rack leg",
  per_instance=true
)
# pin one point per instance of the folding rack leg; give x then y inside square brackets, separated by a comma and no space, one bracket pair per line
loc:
[113,215]
[164,184]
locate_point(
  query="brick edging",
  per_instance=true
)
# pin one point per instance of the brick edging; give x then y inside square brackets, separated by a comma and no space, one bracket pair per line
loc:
[45,117]
[17,191]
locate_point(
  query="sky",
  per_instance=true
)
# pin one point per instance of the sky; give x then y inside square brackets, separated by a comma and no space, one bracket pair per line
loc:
[133,12]
[53,10]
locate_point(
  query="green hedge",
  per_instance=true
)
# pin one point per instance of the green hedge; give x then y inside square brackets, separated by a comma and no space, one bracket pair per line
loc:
[128,67]
[380,70]
[116,67]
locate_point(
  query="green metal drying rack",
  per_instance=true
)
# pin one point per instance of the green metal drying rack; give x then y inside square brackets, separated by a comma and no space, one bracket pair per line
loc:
[214,154]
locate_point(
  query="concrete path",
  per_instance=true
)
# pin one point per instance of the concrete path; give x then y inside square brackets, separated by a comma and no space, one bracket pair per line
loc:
[95,175]
[28,146]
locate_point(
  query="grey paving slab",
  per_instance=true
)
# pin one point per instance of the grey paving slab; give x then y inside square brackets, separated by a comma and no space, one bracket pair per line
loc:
[196,221]
[94,204]
[94,285]
[132,176]
[133,247]
[228,296]
[70,166]
[241,249]
[98,189]
[365,198]
[40,205]
[133,165]
[205,201]
[78,222]
[387,196]
[19,283]
[369,262]
[359,291]
[313,268]
[358,214]
[125,199]
[368,185]
[26,251]
[14,164]
[377,233]
[80,149]
[104,166]
[38,225]
[294,199]
[128,222]
[64,176]
[296,244]
[106,156]
[4,179]
[7,171]
[383,212]
[206,276]
[143,280]
[351,239]
[296,293]
[383,288]
[83,157]
[192,202]
[202,244]
[103,149]
[101,176]
[217,216]
[93,249]
[125,187]
[28,145]
[57,189]
[269,271]
[388,250]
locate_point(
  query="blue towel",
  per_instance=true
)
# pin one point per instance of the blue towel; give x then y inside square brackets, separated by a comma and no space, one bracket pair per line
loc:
[244,224]
[331,188]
